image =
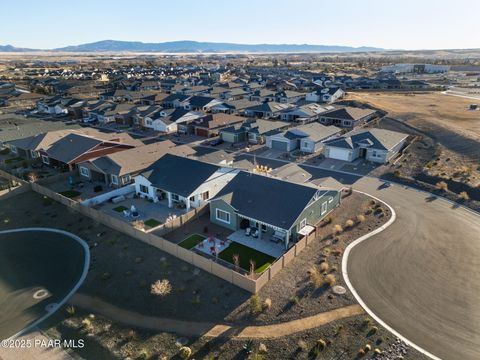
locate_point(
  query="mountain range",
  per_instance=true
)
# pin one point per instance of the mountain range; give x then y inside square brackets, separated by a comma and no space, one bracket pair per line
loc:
[195,47]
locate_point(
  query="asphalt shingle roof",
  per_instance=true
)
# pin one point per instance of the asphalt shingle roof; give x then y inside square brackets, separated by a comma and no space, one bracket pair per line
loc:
[272,201]
[178,174]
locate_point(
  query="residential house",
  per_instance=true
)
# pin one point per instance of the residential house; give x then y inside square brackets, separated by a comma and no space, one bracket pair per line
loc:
[325,95]
[305,113]
[375,145]
[75,148]
[254,132]
[267,110]
[289,96]
[281,210]
[182,181]
[308,138]
[347,117]
[120,168]
[212,124]
[263,95]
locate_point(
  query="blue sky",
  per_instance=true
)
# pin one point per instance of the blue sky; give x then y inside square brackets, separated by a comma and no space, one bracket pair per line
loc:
[405,24]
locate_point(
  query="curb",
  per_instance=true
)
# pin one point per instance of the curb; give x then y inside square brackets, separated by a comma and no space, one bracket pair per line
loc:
[354,292]
[86,265]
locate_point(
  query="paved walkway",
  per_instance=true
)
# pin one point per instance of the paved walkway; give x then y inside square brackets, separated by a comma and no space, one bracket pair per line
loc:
[211,329]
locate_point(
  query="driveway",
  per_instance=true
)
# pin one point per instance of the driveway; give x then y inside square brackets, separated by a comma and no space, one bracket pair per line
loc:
[421,275]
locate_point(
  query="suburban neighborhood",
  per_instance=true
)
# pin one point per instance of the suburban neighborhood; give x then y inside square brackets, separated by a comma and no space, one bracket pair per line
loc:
[251,199]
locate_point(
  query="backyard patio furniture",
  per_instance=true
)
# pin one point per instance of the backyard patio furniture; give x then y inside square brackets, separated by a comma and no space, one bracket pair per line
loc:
[255,233]
[248,231]
[126,213]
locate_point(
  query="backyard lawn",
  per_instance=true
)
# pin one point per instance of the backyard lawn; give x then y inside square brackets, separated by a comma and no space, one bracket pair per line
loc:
[262,261]
[120,208]
[152,223]
[70,193]
[192,241]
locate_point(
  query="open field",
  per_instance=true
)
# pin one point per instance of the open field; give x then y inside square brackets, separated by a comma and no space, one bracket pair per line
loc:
[426,110]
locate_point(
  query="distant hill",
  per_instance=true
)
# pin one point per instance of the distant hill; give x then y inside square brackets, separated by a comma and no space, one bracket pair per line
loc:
[10,48]
[206,47]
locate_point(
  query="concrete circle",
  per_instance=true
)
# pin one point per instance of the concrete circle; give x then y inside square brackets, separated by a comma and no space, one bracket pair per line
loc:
[339,290]
[40,294]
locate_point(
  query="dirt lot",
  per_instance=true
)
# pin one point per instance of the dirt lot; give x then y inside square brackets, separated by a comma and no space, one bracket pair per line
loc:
[343,340]
[448,144]
[426,110]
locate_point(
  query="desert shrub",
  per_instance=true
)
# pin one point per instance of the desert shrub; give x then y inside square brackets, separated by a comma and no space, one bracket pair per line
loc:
[302,345]
[70,310]
[373,330]
[360,218]
[267,303]
[330,279]
[337,229]
[361,353]
[321,344]
[464,195]
[368,211]
[143,355]
[316,278]
[185,352]
[349,223]
[138,224]
[87,323]
[255,304]
[324,266]
[295,300]
[442,185]
[397,173]
[161,288]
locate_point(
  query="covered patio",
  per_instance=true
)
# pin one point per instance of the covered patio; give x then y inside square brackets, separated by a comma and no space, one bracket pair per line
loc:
[262,244]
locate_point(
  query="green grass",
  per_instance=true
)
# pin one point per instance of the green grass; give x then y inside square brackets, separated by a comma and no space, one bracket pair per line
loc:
[70,193]
[152,223]
[11,160]
[120,208]
[192,241]
[262,261]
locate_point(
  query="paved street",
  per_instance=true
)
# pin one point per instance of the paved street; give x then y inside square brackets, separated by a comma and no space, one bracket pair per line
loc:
[421,275]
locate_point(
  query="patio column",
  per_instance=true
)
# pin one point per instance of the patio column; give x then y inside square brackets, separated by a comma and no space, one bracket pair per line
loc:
[287,238]
[188,203]
[169,197]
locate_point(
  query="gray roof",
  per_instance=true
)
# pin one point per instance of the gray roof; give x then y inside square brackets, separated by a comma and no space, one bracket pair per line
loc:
[178,174]
[261,126]
[13,127]
[349,113]
[380,139]
[291,172]
[71,146]
[272,201]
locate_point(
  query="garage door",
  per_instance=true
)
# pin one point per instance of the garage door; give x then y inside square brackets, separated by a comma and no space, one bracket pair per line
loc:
[279,145]
[202,132]
[339,154]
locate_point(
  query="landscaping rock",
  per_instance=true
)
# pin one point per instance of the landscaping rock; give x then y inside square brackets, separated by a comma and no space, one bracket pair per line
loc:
[339,290]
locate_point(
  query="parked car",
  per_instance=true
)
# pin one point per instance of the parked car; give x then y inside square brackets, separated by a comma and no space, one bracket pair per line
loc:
[216,142]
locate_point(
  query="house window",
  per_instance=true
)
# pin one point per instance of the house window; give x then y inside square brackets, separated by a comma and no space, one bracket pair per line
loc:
[223,216]
[263,227]
[34,154]
[192,198]
[205,195]
[84,171]
[143,189]
[302,224]
[125,179]
[148,122]
[114,179]
[324,208]
[45,159]
[175,197]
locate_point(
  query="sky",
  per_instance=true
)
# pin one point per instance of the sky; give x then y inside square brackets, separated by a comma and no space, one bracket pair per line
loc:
[405,24]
